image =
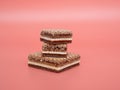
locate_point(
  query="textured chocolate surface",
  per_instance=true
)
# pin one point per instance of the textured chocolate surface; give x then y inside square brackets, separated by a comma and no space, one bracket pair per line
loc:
[53,61]
[54,47]
[57,33]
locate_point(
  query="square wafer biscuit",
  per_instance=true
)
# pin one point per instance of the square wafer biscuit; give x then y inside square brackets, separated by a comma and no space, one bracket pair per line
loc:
[54,47]
[57,50]
[56,36]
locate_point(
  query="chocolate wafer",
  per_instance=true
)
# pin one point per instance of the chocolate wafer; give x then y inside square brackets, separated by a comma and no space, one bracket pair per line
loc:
[54,47]
[56,36]
[53,63]
[54,50]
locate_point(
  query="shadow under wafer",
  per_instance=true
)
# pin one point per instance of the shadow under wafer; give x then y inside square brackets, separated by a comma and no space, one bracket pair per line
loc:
[47,69]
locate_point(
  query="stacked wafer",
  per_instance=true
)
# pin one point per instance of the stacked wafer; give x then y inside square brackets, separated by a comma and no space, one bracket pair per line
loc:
[55,42]
[54,55]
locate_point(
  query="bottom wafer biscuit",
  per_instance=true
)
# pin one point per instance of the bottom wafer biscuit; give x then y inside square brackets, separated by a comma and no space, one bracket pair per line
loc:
[53,63]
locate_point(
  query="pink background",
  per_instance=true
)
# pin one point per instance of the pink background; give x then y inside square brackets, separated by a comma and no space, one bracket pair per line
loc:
[96,37]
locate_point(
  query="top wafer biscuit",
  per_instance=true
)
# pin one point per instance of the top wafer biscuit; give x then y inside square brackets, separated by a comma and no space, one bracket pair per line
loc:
[57,33]
[56,36]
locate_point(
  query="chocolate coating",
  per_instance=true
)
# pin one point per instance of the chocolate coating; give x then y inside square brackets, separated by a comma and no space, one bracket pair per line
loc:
[59,33]
[54,61]
[54,47]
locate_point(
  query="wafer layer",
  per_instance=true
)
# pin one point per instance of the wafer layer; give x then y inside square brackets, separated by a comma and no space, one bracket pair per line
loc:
[56,36]
[59,33]
[54,47]
[53,61]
